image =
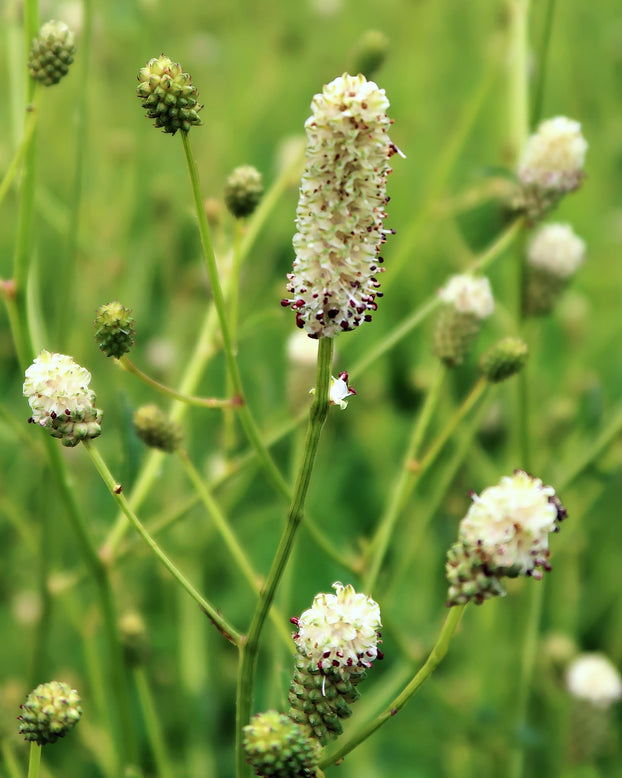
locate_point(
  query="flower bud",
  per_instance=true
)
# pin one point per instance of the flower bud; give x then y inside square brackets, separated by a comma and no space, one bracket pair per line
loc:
[168,95]
[133,637]
[595,678]
[51,53]
[58,393]
[243,191]
[115,329]
[156,430]
[371,52]
[50,712]
[554,255]
[551,165]
[467,302]
[503,360]
[340,210]
[278,747]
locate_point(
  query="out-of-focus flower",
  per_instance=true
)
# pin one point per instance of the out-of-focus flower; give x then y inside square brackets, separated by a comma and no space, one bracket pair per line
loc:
[467,301]
[595,678]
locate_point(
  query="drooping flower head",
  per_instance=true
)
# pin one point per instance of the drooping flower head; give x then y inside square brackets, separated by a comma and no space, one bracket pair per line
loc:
[58,392]
[505,533]
[340,211]
[595,678]
[340,630]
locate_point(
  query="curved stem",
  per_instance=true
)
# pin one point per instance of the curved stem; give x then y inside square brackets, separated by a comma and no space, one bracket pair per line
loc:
[114,488]
[434,659]
[249,649]
[202,402]
[29,129]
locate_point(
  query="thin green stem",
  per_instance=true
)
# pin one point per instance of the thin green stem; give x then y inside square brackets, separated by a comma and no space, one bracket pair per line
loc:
[29,129]
[402,487]
[246,417]
[249,649]
[152,725]
[539,87]
[606,437]
[518,80]
[202,402]
[13,769]
[34,760]
[434,659]
[114,488]
[232,543]
[234,296]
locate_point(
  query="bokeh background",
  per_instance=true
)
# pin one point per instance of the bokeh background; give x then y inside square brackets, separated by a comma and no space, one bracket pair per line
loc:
[257,66]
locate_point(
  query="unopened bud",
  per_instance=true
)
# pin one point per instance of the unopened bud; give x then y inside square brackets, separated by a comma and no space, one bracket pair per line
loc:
[504,359]
[278,747]
[243,191]
[50,712]
[115,329]
[168,95]
[51,53]
[155,429]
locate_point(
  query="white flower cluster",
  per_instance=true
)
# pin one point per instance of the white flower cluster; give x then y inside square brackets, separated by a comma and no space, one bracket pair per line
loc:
[593,677]
[341,208]
[58,392]
[340,630]
[554,156]
[557,250]
[470,295]
[510,523]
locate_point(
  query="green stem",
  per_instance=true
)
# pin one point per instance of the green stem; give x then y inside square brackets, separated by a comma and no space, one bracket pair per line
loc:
[249,649]
[29,129]
[13,769]
[219,302]
[402,487]
[203,402]
[540,84]
[232,543]
[234,295]
[518,79]
[114,488]
[606,437]
[434,659]
[152,725]
[34,760]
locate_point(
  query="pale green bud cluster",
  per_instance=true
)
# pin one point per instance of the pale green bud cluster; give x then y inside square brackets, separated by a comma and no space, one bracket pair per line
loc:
[58,392]
[503,360]
[243,191]
[340,210]
[115,329]
[50,712]
[155,429]
[51,53]
[277,747]
[168,95]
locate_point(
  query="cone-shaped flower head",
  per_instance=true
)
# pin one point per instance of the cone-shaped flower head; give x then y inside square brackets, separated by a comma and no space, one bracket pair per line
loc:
[551,165]
[168,95]
[278,747]
[50,712]
[341,208]
[467,301]
[51,53]
[504,533]
[58,393]
[243,191]
[554,255]
[115,329]
[155,429]
[503,360]
[595,678]
[340,630]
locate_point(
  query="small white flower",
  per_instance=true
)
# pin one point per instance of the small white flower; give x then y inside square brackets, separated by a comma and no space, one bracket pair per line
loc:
[593,677]
[340,630]
[510,523]
[554,156]
[556,249]
[56,386]
[468,294]
[338,390]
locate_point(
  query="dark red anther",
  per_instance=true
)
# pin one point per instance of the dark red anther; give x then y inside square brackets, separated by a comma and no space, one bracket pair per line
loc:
[53,415]
[300,322]
[67,412]
[326,654]
[285,303]
[295,620]
[31,420]
[380,655]
[335,663]
[349,661]
[394,711]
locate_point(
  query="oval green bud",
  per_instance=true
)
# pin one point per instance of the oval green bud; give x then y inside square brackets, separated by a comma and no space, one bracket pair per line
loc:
[115,329]
[504,359]
[243,191]
[168,95]
[155,429]
[50,712]
[277,747]
[51,53]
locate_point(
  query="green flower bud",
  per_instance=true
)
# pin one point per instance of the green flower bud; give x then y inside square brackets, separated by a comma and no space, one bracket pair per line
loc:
[243,191]
[134,640]
[155,429]
[277,746]
[504,359]
[168,95]
[50,712]
[51,53]
[470,577]
[115,329]
[371,52]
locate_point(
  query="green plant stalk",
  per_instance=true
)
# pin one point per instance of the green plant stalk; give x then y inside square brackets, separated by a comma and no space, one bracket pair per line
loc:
[245,415]
[210,611]
[250,647]
[34,760]
[29,129]
[434,659]
[539,88]
[13,769]
[517,12]
[231,542]
[202,402]
[152,724]
[401,488]
[234,296]
[602,442]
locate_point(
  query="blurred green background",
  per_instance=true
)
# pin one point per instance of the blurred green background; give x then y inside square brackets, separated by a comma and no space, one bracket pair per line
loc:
[257,66]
